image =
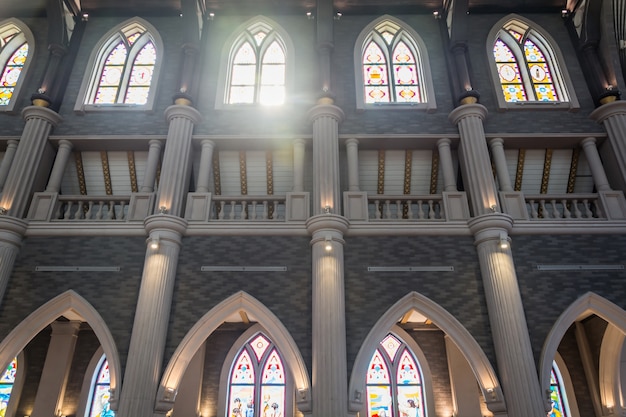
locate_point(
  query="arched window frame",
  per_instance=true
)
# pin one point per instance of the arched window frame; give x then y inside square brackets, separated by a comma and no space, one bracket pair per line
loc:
[566,387]
[97,60]
[22,35]
[418,48]
[233,354]
[554,58]
[89,383]
[18,384]
[241,35]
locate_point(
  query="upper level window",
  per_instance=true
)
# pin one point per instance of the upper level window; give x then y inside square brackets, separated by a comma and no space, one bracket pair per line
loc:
[124,69]
[15,47]
[99,405]
[527,67]
[6,386]
[256,385]
[392,66]
[394,381]
[257,69]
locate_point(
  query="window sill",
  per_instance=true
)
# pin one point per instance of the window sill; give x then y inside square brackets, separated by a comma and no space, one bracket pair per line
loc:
[538,105]
[428,107]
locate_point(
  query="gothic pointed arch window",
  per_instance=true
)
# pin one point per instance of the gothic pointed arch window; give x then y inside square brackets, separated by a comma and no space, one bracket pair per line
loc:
[527,67]
[7,383]
[392,67]
[100,391]
[258,67]
[558,396]
[257,381]
[124,69]
[16,48]
[394,381]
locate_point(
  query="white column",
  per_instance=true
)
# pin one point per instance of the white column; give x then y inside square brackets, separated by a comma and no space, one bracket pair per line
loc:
[499,159]
[176,167]
[298,165]
[9,154]
[58,169]
[326,118]
[474,157]
[447,168]
[149,176]
[56,369]
[17,188]
[206,159]
[329,323]
[506,315]
[613,117]
[147,342]
[595,164]
[12,232]
[352,151]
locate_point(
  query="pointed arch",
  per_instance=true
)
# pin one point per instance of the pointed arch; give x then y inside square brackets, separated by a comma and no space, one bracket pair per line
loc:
[590,303]
[256,65]
[391,67]
[74,307]
[564,380]
[17,49]
[480,365]
[527,67]
[211,321]
[611,351]
[123,69]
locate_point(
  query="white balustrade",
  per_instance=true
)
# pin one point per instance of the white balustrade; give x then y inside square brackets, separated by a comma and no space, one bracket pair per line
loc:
[248,208]
[564,206]
[406,207]
[92,208]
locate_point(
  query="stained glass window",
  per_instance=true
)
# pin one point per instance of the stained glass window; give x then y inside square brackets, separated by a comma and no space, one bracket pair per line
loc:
[257,381]
[6,386]
[13,56]
[127,68]
[391,67]
[258,68]
[524,69]
[394,381]
[557,394]
[99,405]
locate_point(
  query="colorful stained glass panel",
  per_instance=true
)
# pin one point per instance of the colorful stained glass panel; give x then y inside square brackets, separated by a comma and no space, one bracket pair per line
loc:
[273,372]
[556,398]
[8,377]
[11,73]
[502,53]
[408,372]
[513,93]
[410,401]
[137,95]
[391,345]
[532,52]
[379,401]
[243,371]
[377,372]
[259,345]
[272,400]
[509,73]
[241,399]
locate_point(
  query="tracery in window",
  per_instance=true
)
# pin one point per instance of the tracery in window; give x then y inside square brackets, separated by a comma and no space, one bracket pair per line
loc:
[14,50]
[392,71]
[6,386]
[526,65]
[99,404]
[258,67]
[394,381]
[257,381]
[557,394]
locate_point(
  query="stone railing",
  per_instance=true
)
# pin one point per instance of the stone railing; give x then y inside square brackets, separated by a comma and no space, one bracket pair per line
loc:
[405,207]
[248,208]
[564,206]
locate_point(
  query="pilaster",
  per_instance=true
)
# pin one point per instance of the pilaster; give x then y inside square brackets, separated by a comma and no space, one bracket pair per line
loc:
[7,160]
[151,167]
[56,176]
[12,233]
[613,117]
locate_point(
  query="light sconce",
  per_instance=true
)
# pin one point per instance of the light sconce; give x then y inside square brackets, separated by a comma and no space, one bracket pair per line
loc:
[494,208]
[154,242]
[327,210]
[564,13]
[162,210]
[329,243]
[181,15]
[504,241]
[85,17]
[3,211]
[309,15]
[302,393]
[609,410]
[338,16]
[211,16]
[41,90]
[609,87]
[492,393]
[436,14]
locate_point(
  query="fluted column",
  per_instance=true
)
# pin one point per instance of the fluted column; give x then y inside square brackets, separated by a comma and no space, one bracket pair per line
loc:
[613,117]
[147,342]
[56,369]
[499,159]
[445,158]
[204,173]
[17,188]
[12,232]
[58,169]
[329,323]
[506,315]
[7,160]
[149,176]
[595,164]
[352,151]
[474,157]
[298,165]
[326,193]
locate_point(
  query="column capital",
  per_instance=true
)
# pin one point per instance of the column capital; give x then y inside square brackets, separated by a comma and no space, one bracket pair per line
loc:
[496,141]
[168,227]
[444,141]
[608,110]
[187,112]
[155,142]
[467,110]
[329,110]
[352,141]
[322,224]
[490,226]
[64,143]
[39,112]
[588,141]
[12,230]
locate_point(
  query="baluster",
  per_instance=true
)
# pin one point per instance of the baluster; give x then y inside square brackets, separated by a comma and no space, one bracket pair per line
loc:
[431,209]
[555,210]
[533,210]
[68,211]
[577,213]
[100,210]
[420,210]
[377,209]
[79,213]
[265,211]
[398,209]
[543,210]
[232,210]
[60,211]
[597,208]
[244,205]
[252,211]
[409,210]
[387,214]
[89,211]
[221,214]
[566,212]
[111,213]
[122,215]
